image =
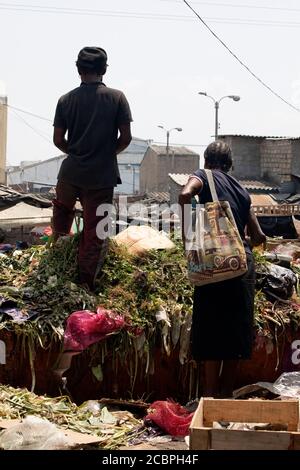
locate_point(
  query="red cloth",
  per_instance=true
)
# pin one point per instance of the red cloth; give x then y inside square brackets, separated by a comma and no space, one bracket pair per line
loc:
[48,231]
[170,417]
[85,328]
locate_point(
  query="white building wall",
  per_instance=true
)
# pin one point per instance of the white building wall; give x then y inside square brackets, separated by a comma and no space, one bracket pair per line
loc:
[40,174]
[44,173]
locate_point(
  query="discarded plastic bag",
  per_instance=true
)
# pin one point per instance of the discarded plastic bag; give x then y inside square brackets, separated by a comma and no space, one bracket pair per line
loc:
[276,280]
[91,406]
[170,417]
[140,239]
[85,328]
[287,385]
[33,433]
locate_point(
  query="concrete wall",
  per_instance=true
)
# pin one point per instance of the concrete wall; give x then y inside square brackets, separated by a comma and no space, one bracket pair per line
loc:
[296,157]
[149,171]
[3,138]
[259,158]
[155,169]
[276,160]
[246,156]
[177,164]
[174,190]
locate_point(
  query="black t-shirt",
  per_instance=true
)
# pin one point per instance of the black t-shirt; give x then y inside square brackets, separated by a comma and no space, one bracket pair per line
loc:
[91,114]
[228,189]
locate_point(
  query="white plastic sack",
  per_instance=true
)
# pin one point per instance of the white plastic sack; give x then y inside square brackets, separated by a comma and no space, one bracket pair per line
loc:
[33,433]
[140,239]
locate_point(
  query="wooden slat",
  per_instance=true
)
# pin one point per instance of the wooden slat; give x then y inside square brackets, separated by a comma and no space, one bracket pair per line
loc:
[224,439]
[296,441]
[278,210]
[251,411]
[199,437]
[197,421]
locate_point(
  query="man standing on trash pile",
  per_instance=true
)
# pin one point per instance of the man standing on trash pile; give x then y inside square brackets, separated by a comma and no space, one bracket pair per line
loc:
[97,122]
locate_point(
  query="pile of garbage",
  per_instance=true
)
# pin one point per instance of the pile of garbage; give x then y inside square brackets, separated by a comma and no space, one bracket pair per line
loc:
[113,428]
[277,300]
[39,292]
[35,422]
[139,299]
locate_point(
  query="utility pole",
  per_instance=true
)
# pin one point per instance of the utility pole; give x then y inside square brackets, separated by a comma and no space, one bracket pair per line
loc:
[133,177]
[168,141]
[3,138]
[216,120]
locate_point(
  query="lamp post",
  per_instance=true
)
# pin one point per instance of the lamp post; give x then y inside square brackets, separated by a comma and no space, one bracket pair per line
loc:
[217,106]
[179,129]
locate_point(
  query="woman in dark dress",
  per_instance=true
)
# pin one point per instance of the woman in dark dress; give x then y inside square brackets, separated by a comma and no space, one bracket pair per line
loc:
[222,331]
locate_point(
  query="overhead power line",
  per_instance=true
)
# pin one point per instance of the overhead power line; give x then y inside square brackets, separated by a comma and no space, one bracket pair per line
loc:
[239,60]
[37,131]
[235,5]
[142,15]
[28,112]
[14,108]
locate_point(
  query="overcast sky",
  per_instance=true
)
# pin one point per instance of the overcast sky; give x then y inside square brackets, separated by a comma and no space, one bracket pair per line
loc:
[160,55]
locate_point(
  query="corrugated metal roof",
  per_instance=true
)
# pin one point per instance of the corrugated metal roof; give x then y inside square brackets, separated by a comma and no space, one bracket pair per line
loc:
[257,185]
[180,178]
[6,191]
[293,199]
[281,197]
[274,137]
[162,150]
[10,197]
[159,197]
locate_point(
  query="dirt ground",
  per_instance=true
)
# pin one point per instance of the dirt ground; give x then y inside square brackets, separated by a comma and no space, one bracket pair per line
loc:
[172,445]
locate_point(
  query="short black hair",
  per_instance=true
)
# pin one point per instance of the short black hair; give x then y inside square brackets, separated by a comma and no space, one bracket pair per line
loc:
[98,69]
[218,155]
[92,60]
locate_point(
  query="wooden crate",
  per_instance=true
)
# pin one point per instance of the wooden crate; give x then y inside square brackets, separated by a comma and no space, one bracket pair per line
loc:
[204,437]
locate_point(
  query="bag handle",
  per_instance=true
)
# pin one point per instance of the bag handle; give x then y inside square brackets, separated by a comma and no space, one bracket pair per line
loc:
[211,185]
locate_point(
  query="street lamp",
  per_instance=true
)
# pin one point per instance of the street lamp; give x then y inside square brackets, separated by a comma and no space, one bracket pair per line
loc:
[217,105]
[179,129]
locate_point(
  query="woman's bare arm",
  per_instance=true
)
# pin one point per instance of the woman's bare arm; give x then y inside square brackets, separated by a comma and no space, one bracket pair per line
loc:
[194,186]
[257,236]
